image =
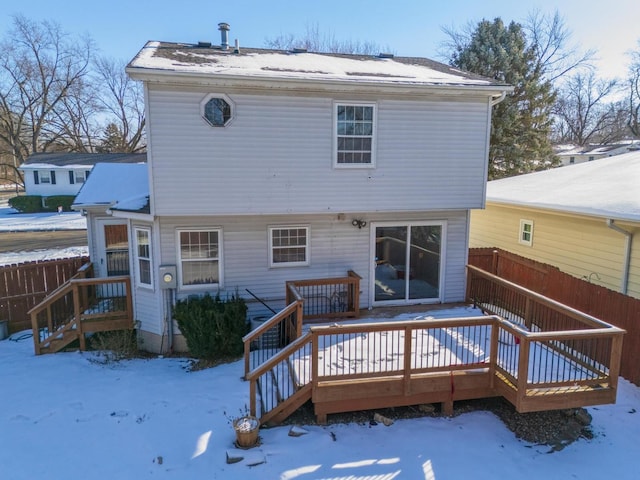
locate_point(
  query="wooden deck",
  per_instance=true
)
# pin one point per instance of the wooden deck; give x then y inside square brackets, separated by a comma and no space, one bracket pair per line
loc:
[546,357]
[81,305]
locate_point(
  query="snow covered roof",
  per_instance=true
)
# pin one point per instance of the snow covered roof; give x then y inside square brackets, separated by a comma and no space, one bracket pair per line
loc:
[295,65]
[606,188]
[118,186]
[78,160]
[598,149]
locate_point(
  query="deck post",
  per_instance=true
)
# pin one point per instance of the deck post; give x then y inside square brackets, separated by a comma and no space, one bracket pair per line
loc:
[299,318]
[493,354]
[252,397]
[523,369]
[77,315]
[36,333]
[408,354]
[615,361]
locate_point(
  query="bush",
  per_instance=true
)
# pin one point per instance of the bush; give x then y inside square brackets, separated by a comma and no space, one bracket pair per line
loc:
[114,346]
[212,327]
[26,203]
[54,201]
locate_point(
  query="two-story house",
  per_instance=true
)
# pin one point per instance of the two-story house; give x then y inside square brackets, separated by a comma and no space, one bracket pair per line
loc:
[266,166]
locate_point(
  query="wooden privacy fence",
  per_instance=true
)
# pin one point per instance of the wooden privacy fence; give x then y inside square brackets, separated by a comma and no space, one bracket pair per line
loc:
[612,307]
[24,285]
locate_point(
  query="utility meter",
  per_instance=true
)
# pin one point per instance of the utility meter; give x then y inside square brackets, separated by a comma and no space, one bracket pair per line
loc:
[168,276]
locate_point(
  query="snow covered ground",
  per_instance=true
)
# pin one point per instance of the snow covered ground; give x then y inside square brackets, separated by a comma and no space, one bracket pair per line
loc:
[12,221]
[68,416]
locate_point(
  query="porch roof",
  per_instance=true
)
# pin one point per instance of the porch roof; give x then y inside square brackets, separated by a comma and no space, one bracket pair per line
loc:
[116,187]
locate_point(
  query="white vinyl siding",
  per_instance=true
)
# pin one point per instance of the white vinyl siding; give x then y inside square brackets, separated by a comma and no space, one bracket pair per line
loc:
[288,246]
[335,246]
[143,257]
[276,156]
[199,253]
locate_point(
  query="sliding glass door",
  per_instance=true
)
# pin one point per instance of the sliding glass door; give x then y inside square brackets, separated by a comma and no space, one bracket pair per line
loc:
[407,263]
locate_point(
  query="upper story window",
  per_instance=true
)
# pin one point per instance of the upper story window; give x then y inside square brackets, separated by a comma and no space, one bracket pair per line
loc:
[526,232]
[217,110]
[199,257]
[143,257]
[288,246]
[355,135]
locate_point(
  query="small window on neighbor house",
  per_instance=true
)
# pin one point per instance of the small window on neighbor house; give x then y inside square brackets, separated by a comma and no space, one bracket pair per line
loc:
[199,257]
[354,135]
[80,176]
[592,158]
[572,159]
[143,256]
[217,110]
[526,232]
[46,176]
[288,246]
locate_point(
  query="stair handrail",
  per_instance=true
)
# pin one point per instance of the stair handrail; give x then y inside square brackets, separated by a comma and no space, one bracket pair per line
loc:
[253,376]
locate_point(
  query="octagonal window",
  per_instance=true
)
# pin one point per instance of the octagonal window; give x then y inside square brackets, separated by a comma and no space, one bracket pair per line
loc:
[217,111]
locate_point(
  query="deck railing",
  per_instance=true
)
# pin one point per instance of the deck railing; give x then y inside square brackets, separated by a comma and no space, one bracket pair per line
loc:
[83,304]
[328,298]
[543,345]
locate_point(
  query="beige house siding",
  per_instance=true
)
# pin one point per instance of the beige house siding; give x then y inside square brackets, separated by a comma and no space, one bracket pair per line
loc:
[579,245]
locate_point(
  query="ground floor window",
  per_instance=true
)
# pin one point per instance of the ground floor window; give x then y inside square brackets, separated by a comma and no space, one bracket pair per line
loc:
[199,253]
[288,246]
[143,256]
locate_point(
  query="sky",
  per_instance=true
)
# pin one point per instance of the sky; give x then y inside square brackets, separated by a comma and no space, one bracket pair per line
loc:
[404,27]
[80,416]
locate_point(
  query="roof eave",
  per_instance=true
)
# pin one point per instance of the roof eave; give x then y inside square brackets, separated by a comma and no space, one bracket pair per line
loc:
[284,83]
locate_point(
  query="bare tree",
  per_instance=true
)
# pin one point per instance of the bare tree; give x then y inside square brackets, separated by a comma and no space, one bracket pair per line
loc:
[550,38]
[633,121]
[39,67]
[583,113]
[314,40]
[123,105]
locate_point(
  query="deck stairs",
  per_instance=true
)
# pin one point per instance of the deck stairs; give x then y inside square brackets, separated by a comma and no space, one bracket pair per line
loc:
[280,389]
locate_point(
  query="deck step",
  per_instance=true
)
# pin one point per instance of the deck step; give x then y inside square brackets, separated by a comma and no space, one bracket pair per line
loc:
[59,342]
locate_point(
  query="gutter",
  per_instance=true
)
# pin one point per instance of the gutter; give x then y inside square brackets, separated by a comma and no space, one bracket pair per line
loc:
[627,253]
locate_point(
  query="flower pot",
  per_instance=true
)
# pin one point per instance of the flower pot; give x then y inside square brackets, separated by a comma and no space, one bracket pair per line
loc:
[246,428]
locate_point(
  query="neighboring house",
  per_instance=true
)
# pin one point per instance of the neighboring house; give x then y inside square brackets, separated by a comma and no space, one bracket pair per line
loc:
[266,166]
[62,173]
[583,220]
[572,154]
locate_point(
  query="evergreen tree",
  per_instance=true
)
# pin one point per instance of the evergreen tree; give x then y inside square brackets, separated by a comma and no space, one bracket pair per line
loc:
[521,123]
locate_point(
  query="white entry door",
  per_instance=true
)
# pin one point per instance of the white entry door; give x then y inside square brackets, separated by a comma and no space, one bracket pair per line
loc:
[113,248]
[407,266]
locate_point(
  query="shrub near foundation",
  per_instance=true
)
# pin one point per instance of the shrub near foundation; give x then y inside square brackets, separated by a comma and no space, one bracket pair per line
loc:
[213,327]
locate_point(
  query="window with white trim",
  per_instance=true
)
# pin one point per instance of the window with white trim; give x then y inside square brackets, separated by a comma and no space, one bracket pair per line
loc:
[354,135]
[199,254]
[80,176]
[526,232]
[45,176]
[143,257]
[288,246]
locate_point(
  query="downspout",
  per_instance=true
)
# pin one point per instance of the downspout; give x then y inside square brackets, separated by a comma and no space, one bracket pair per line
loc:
[497,100]
[627,253]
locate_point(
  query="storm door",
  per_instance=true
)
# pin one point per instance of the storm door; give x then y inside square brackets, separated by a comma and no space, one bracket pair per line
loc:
[407,267]
[113,250]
